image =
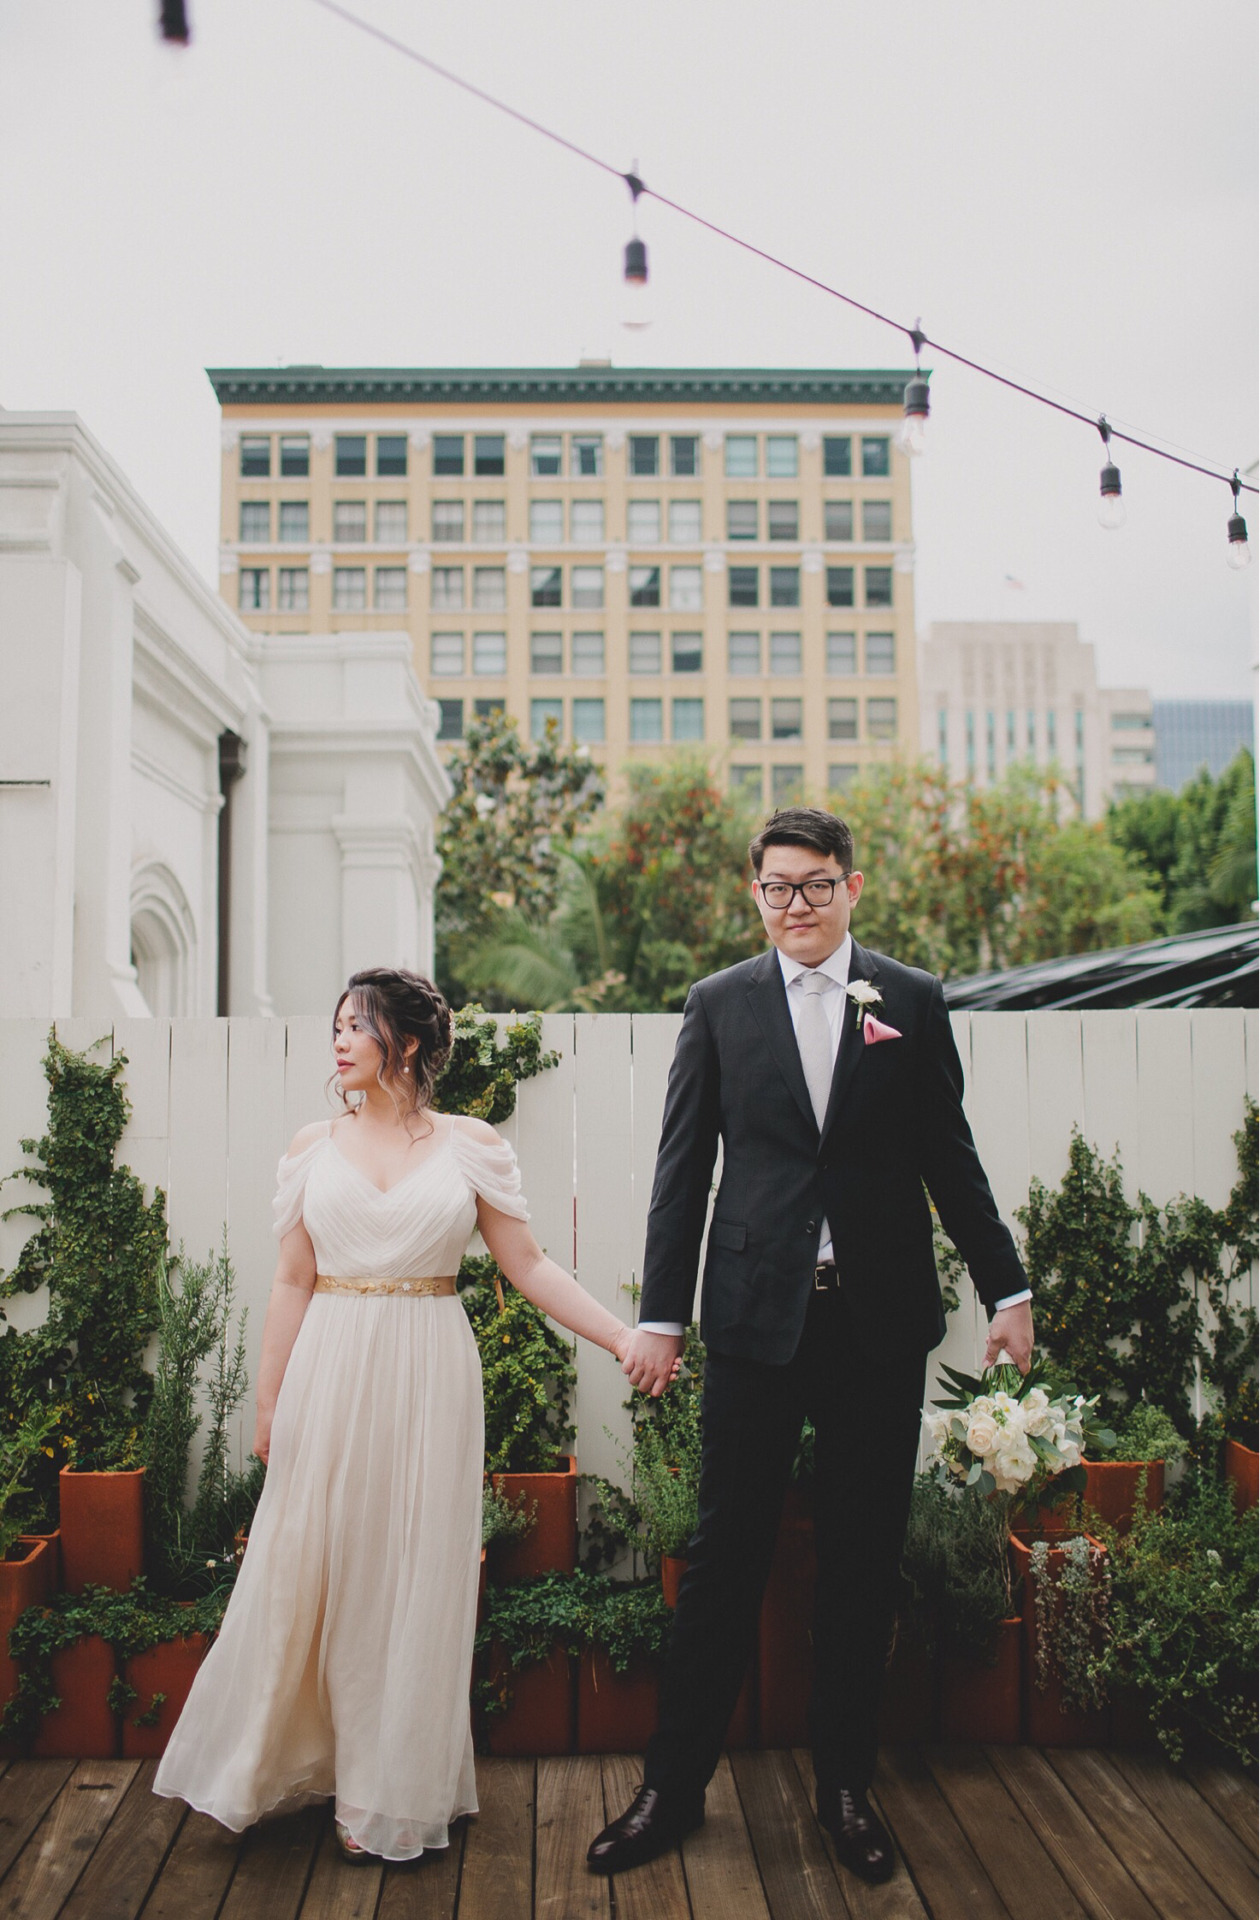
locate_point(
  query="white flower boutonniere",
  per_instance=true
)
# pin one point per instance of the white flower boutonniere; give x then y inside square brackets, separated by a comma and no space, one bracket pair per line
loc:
[864,995]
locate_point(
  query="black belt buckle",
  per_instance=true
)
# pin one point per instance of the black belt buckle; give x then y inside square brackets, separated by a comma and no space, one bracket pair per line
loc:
[826,1279]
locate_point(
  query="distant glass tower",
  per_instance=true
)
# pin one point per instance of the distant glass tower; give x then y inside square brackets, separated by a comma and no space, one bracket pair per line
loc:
[1190,734]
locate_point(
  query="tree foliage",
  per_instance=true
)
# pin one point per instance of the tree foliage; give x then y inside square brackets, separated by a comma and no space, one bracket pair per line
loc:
[1198,846]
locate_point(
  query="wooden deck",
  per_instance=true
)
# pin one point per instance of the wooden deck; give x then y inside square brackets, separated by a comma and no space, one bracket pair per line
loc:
[985,1834]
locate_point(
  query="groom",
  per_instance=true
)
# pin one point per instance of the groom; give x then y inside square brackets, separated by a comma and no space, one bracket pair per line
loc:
[831,1077]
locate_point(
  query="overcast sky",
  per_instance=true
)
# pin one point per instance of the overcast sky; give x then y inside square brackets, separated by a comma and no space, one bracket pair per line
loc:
[1068,192]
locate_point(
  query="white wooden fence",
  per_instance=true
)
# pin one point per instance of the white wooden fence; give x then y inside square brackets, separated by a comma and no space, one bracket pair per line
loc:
[215,1102]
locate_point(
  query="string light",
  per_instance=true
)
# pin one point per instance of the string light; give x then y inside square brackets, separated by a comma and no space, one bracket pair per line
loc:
[173,22]
[1239,550]
[635,268]
[917,402]
[1111,502]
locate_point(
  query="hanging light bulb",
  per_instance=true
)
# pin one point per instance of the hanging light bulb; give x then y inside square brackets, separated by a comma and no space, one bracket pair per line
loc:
[910,435]
[1239,551]
[1111,514]
[635,314]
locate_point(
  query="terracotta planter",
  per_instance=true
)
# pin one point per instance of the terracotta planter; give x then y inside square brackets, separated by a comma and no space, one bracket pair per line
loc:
[550,1546]
[785,1636]
[982,1704]
[169,1668]
[908,1702]
[102,1529]
[1240,1470]
[54,1546]
[1114,1487]
[616,1712]
[539,1718]
[481,1585]
[27,1580]
[83,1727]
[1046,1724]
[673,1567]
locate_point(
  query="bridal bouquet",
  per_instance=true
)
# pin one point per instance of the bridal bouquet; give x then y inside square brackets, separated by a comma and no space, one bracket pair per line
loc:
[1003,1432]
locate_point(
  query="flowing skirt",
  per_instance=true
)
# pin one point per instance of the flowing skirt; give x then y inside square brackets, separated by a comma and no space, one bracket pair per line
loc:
[344,1660]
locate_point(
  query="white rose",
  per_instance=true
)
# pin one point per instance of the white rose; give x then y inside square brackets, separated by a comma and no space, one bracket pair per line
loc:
[1071,1453]
[937,1425]
[981,1404]
[982,1434]
[1014,1464]
[1006,1409]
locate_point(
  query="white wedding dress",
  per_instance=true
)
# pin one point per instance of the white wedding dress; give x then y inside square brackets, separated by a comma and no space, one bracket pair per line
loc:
[345,1655]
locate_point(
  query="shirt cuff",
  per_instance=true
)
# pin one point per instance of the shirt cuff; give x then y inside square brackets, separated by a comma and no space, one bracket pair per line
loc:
[674,1327]
[1013,1300]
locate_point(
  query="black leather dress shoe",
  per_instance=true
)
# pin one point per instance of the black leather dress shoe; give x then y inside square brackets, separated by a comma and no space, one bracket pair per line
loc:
[863,1843]
[652,1824]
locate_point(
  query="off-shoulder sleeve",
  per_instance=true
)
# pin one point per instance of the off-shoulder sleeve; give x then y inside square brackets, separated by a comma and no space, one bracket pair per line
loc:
[286,1208]
[490,1169]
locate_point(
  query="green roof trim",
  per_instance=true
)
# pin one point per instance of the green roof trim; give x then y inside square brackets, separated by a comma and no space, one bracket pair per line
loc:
[502,386]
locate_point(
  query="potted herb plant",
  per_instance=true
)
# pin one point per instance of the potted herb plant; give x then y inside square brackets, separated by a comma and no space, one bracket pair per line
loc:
[957,1571]
[625,1629]
[1147,1442]
[528,1636]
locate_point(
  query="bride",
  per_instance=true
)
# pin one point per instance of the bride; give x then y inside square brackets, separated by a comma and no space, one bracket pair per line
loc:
[342,1667]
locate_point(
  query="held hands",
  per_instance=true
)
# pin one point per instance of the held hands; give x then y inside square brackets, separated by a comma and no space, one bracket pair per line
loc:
[650,1361]
[1011,1329]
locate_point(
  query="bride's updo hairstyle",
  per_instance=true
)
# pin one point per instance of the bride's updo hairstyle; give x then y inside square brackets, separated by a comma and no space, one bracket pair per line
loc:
[395,1006]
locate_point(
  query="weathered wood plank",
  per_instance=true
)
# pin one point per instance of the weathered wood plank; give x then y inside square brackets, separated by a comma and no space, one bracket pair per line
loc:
[1204,1838]
[1139,1837]
[428,1888]
[27,1790]
[1231,1794]
[497,1878]
[721,1867]
[130,1855]
[658,1890]
[274,1866]
[897,1899]
[1100,1881]
[49,1865]
[796,1871]
[570,1814]
[1056,1091]
[341,1889]
[197,1871]
[942,1861]
[1165,1163]
[1006,1846]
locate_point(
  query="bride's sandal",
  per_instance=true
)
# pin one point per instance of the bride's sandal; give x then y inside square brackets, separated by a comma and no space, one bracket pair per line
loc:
[350,1848]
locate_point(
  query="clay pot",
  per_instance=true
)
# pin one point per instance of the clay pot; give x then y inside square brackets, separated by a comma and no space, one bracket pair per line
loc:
[26,1580]
[102,1529]
[1240,1470]
[83,1727]
[1114,1487]
[169,1668]
[980,1703]
[908,1700]
[1045,1722]
[673,1567]
[550,1546]
[481,1585]
[539,1716]
[616,1712]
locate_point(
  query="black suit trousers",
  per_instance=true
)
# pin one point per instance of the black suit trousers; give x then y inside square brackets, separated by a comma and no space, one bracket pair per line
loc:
[866,1411]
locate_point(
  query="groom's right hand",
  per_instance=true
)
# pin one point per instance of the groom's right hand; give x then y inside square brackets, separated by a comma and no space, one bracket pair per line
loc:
[651,1360]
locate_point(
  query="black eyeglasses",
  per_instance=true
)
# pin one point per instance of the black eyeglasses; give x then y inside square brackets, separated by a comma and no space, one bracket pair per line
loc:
[817,893]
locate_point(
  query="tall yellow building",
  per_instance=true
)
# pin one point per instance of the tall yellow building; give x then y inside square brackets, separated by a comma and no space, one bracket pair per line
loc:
[652,558]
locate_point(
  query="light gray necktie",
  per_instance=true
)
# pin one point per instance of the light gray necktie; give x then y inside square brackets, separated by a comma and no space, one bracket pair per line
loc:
[813,1037]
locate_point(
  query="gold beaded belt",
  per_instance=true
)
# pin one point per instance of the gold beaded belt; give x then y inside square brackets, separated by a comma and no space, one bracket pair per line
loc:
[439,1283]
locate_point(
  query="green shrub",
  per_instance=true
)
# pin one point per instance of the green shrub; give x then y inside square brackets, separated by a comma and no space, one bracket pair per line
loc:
[956,1566]
[527,1373]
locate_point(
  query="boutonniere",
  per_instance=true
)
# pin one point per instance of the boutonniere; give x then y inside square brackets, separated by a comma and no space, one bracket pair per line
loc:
[864,994]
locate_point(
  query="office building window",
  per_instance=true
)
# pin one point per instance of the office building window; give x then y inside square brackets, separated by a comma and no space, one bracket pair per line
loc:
[742,586]
[448,521]
[295,456]
[295,590]
[255,520]
[971,742]
[1010,734]
[489,653]
[645,586]
[783,520]
[741,456]
[875,462]
[879,587]
[787,786]
[785,653]
[747,785]
[489,523]
[349,522]
[588,588]
[780,456]
[840,778]
[546,653]
[391,456]
[546,522]
[942,736]
[838,520]
[350,459]
[545,586]
[684,523]
[643,523]
[487,709]
[446,654]
[881,719]
[256,457]
[786,719]
[349,589]
[741,520]
[588,722]
[687,652]
[842,654]
[745,719]
[687,720]
[842,719]
[877,520]
[686,589]
[881,653]
[586,456]
[448,455]
[587,651]
[545,455]
[389,523]
[646,720]
[295,522]
[545,716]
[1052,733]
[684,456]
[645,653]
[389,589]
[743,653]
[837,456]
[785,586]
[586,522]
[1032,731]
[840,586]
[1131,722]
[990,745]
[644,456]
[489,589]
[450,720]
[488,456]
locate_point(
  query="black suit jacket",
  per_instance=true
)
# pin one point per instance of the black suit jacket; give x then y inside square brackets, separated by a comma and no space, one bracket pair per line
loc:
[895,1121]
